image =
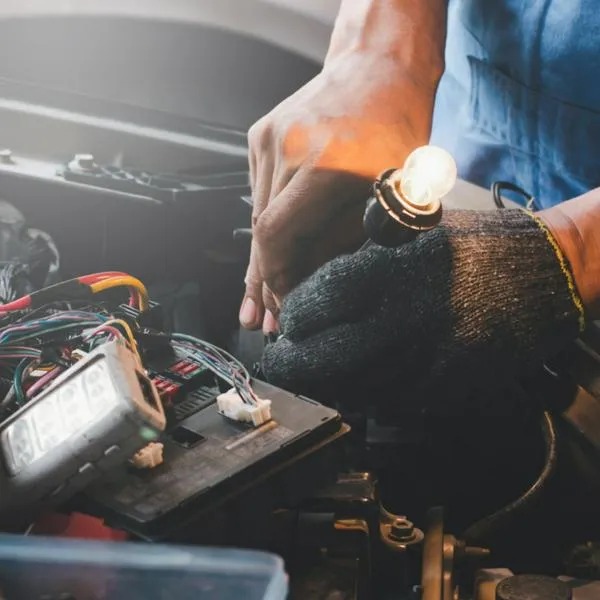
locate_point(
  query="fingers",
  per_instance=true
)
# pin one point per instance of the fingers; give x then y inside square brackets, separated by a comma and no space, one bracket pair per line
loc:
[252,308]
[270,322]
[270,301]
[342,235]
[262,160]
[261,164]
[269,176]
[305,218]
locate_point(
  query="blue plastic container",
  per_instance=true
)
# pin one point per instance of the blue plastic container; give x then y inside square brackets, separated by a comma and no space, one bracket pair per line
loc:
[35,568]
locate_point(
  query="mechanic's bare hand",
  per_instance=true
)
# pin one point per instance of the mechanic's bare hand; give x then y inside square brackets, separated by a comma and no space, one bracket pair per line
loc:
[312,161]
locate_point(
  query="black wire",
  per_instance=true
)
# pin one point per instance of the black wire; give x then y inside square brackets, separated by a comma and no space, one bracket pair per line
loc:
[481,530]
[7,402]
[499,186]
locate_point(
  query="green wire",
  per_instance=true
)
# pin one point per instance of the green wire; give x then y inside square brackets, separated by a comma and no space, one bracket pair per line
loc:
[12,346]
[18,380]
[50,330]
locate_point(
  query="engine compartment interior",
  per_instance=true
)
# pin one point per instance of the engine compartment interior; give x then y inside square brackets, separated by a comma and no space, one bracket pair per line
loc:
[125,177]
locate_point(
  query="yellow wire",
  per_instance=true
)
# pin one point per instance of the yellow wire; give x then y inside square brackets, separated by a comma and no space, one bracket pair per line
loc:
[129,333]
[125,281]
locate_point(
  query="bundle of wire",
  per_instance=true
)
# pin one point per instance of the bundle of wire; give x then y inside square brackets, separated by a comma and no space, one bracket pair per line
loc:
[220,362]
[44,333]
[81,289]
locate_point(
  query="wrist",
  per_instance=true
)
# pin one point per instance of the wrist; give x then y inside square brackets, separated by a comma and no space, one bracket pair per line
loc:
[574,225]
[384,105]
[410,35]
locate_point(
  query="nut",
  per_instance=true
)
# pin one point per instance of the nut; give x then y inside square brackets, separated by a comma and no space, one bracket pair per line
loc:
[402,530]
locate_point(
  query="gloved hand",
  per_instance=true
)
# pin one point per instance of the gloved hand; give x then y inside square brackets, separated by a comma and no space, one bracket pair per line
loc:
[480,296]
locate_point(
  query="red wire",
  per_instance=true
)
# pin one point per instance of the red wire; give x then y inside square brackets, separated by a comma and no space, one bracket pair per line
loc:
[19,304]
[25,301]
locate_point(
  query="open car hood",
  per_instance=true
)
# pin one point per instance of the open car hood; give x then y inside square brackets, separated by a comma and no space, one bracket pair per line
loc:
[224,62]
[300,26]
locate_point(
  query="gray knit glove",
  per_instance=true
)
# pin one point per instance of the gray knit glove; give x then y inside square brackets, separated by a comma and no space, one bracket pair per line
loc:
[480,296]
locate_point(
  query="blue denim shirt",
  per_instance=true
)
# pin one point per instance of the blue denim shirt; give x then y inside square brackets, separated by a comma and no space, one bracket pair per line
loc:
[520,98]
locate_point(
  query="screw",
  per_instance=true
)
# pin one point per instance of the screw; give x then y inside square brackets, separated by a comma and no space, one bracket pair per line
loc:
[402,530]
[461,550]
[85,161]
[476,552]
[6,157]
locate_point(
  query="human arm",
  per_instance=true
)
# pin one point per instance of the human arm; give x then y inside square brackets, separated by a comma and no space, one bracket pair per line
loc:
[313,157]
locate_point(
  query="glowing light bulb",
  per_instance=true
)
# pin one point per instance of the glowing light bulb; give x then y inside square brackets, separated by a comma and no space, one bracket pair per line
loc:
[407,202]
[429,173]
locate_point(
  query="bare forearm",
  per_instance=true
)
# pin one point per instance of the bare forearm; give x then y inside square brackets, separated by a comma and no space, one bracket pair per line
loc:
[576,227]
[411,33]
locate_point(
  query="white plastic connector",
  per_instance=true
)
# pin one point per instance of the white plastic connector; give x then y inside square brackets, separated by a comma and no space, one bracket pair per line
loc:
[149,456]
[233,407]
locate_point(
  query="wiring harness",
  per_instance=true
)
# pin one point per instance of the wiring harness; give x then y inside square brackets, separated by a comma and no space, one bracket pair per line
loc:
[46,332]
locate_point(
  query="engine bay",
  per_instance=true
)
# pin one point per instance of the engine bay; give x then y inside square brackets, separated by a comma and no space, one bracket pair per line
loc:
[359,503]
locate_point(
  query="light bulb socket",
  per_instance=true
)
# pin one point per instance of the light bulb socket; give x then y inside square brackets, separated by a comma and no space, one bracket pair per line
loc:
[390,219]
